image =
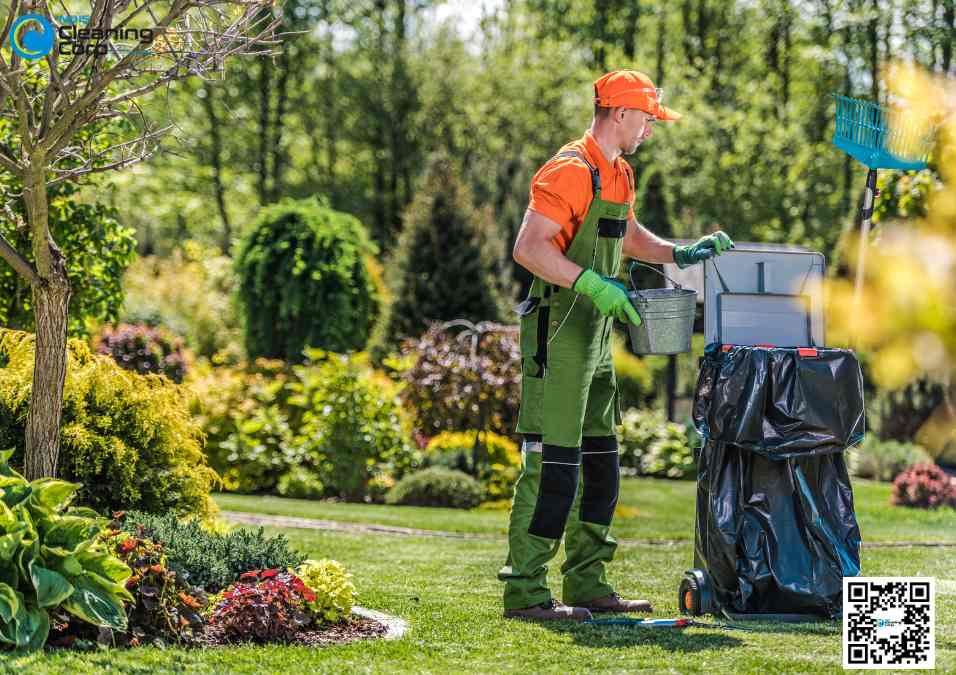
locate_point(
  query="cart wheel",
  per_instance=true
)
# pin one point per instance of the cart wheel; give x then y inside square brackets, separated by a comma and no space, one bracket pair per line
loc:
[688,597]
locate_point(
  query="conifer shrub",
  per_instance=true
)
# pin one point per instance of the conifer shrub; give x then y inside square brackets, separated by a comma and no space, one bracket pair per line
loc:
[128,438]
[449,262]
[210,560]
[304,281]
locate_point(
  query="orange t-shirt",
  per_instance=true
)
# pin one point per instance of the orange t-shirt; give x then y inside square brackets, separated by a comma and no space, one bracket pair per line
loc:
[561,189]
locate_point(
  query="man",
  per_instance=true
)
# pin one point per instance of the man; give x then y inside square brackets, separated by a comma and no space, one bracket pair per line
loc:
[579,222]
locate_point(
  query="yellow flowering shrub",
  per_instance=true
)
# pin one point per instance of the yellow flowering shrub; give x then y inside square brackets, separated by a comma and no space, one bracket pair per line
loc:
[499,459]
[904,315]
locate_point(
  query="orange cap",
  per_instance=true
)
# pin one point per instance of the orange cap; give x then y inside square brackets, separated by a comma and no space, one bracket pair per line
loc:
[631,89]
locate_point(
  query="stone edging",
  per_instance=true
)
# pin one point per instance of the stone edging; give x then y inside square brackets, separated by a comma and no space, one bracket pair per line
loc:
[396,627]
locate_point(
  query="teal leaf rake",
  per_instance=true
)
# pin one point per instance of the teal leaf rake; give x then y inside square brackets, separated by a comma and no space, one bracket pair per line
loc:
[880,138]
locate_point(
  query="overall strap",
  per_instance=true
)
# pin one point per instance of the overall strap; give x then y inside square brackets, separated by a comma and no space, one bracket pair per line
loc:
[595,177]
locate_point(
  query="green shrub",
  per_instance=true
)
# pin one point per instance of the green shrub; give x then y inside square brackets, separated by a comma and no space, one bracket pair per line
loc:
[652,446]
[50,558]
[353,423]
[211,560]
[333,588]
[193,293]
[635,377]
[669,456]
[304,281]
[241,411]
[436,487]
[143,349]
[323,428]
[300,483]
[499,459]
[128,438]
[883,460]
[448,263]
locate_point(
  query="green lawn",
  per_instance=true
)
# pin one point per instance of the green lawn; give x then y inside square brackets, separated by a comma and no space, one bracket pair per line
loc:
[447,590]
[649,510]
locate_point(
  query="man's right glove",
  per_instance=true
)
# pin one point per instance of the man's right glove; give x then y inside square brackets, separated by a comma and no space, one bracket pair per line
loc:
[609,296]
[702,249]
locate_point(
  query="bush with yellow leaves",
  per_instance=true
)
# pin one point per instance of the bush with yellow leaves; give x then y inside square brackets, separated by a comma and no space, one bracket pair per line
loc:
[128,438]
[905,314]
[334,591]
[499,459]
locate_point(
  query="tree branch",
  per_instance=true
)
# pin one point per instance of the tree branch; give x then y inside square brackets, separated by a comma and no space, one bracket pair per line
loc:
[18,262]
[67,174]
[8,163]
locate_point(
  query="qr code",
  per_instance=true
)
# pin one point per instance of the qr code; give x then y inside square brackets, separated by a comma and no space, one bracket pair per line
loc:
[889,622]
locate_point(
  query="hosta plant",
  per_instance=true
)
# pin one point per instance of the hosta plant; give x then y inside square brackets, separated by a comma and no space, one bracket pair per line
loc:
[50,557]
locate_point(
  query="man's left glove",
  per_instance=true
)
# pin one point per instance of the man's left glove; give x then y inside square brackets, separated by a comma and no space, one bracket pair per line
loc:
[704,248]
[609,296]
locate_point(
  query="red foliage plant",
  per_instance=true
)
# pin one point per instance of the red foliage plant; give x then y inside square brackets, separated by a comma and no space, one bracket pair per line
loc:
[263,606]
[925,486]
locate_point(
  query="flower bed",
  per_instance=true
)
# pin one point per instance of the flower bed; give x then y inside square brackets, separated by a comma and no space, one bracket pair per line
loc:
[70,578]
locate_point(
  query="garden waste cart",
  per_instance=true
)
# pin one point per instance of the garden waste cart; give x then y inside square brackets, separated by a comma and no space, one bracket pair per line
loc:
[775,528]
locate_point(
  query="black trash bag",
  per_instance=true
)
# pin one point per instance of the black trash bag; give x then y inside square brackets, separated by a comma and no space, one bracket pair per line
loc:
[776,529]
[780,403]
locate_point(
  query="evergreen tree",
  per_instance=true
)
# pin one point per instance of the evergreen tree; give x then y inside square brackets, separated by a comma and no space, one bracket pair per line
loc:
[305,281]
[449,262]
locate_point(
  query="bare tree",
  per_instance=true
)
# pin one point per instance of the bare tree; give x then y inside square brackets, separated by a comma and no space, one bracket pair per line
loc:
[97,78]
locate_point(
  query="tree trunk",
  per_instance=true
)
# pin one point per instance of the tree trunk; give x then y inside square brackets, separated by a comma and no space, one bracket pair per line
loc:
[873,37]
[265,106]
[630,33]
[932,35]
[786,58]
[219,187]
[661,42]
[51,302]
[51,298]
[600,34]
[278,124]
[949,23]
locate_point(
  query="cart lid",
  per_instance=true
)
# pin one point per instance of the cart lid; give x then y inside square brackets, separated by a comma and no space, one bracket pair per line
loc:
[763,296]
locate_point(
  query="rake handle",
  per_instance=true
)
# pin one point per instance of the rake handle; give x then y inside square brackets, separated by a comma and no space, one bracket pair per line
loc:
[869,196]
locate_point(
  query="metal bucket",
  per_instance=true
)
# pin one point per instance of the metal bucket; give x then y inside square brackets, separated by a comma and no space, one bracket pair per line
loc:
[667,317]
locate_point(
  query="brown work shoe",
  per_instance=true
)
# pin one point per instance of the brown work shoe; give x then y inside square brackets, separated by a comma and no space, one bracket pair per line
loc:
[615,603]
[552,610]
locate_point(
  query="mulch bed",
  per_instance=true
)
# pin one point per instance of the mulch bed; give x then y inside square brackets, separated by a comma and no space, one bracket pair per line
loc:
[357,629]
[84,637]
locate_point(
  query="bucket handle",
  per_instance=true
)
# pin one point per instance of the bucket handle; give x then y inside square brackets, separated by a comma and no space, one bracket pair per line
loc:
[635,263]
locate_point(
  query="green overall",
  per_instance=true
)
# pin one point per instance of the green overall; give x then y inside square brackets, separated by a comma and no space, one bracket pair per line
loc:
[569,410]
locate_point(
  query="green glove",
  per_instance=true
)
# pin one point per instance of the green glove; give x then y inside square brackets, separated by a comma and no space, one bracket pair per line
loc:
[704,248]
[609,296]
